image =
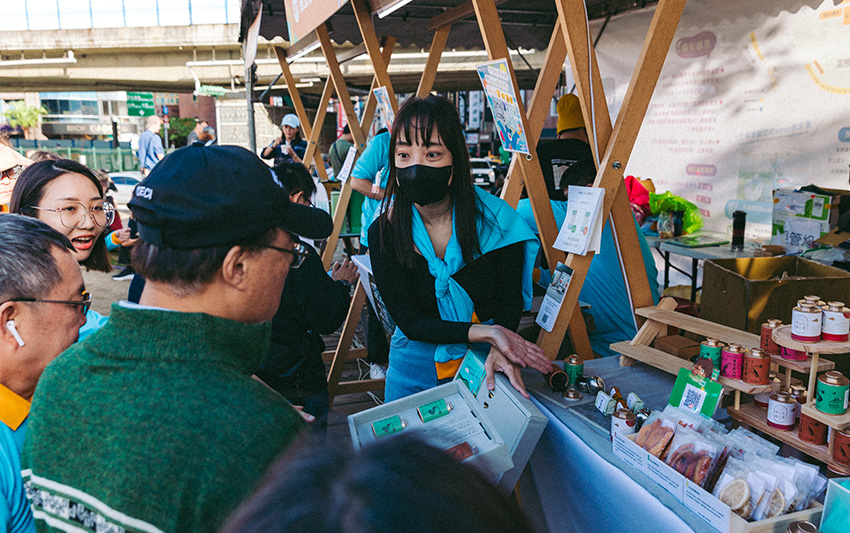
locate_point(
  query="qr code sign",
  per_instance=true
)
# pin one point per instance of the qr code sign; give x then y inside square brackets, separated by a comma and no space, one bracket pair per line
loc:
[692,398]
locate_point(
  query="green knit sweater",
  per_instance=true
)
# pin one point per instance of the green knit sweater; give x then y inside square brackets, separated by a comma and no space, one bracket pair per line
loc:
[153,423]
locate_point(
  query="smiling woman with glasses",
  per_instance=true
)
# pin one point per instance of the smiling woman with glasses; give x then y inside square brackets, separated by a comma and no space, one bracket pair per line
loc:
[68,197]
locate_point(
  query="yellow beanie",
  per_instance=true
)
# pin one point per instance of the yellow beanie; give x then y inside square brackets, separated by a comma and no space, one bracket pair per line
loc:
[569,113]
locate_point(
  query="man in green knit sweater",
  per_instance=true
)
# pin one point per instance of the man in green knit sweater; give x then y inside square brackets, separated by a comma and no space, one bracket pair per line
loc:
[154,423]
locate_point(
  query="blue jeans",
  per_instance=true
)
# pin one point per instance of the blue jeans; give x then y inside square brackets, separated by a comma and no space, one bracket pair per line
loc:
[411,369]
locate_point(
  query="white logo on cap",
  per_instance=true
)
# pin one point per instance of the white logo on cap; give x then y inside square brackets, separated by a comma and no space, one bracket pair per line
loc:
[144,192]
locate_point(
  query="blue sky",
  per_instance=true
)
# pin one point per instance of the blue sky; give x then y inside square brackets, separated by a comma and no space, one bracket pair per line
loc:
[71,14]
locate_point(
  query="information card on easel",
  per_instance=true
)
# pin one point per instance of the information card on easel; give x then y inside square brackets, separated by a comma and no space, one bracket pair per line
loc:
[582,229]
[551,305]
[345,171]
[383,98]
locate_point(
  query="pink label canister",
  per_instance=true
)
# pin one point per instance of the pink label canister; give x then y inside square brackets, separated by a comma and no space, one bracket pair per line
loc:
[732,362]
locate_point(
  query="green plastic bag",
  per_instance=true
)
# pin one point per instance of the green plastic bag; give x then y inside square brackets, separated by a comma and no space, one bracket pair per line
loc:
[666,201]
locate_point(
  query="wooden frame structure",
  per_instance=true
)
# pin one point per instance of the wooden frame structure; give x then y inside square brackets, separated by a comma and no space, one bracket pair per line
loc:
[612,148]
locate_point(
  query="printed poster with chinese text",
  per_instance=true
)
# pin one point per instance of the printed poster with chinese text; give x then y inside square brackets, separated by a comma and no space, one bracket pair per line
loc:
[499,89]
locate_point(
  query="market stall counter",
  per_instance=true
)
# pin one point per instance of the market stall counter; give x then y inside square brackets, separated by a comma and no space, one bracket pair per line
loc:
[574,481]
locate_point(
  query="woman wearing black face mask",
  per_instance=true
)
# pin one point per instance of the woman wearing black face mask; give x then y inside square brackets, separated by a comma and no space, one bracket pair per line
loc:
[452,263]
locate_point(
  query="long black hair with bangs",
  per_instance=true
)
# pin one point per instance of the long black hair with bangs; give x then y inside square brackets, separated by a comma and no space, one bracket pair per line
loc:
[415,121]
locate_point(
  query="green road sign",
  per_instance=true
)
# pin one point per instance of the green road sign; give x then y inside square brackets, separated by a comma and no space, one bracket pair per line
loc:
[211,90]
[140,104]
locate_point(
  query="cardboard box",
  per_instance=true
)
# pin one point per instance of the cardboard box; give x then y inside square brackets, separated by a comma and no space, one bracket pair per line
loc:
[743,294]
[511,424]
[681,347]
[821,211]
[703,504]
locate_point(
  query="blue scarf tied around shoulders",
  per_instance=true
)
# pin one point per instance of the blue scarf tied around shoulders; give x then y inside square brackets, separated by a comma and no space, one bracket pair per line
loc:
[499,226]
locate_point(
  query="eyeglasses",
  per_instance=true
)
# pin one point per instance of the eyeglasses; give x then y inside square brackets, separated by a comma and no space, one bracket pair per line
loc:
[298,253]
[73,215]
[84,304]
[12,173]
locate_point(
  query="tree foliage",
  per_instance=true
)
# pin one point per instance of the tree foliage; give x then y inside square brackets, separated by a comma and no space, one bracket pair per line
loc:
[25,116]
[178,130]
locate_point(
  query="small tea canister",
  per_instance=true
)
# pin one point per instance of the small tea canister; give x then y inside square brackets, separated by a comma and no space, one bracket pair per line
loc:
[806,322]
[557,379]
[623,422]
[766,342]
[781,411]
[574,367]
[832,393]
[802,526]
[841,450]
[793,355]
[756,367]
[836,322]
[811,430]
[814,300]
[798,392]
[732,361]
[710,349]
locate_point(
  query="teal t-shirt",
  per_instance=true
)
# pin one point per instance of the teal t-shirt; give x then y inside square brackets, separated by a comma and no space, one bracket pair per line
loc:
[15,514]
[376,158]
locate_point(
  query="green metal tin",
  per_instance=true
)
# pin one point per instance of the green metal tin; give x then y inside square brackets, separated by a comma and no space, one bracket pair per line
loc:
[433,410]
[574,367]
[388,426]
[710,349]
[832,393]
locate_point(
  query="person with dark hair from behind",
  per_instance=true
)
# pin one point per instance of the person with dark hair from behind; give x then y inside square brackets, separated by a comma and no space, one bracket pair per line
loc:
[397,484]
[154,422]
[569,161]
[312,304]
[42,306]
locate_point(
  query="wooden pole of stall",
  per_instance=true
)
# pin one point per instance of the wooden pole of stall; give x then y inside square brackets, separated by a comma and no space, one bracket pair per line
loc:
[538,107]
[295,95]
[616,146]
[438,44]
[494,41]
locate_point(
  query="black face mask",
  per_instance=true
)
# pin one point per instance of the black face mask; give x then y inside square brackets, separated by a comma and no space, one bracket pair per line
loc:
[423,184]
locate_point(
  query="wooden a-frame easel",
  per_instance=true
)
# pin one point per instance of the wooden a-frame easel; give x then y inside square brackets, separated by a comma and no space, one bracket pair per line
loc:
[613,147]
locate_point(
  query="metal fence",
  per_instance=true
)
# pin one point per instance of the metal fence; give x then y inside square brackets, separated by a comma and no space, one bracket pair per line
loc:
[108,159]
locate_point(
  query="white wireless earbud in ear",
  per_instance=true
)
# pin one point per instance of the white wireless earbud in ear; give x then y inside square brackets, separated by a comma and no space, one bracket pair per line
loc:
[10,325]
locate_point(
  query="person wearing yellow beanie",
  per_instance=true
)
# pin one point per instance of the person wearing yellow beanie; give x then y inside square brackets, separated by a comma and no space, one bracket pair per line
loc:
[570,119]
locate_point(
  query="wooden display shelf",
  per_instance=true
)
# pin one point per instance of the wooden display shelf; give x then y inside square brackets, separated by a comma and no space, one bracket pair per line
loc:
[756,417]
[700,327]
[782,337]
[804,367]
[672,364]
[841,422]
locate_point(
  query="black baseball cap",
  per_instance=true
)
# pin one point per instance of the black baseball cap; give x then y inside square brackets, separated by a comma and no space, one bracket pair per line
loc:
[207,196]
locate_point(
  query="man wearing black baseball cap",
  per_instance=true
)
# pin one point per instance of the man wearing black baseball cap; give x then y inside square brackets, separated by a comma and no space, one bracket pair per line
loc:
[154,423]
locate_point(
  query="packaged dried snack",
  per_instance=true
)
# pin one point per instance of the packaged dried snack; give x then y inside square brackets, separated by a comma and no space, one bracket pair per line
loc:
[656,433]
[739,488]
[683,417]
[692,455]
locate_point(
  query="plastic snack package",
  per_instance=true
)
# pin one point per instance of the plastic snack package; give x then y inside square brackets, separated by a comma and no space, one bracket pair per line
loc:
[755,442]
[656,433]
[684,417]
[739,488]
[693,455]
[719,440]
[785,490]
